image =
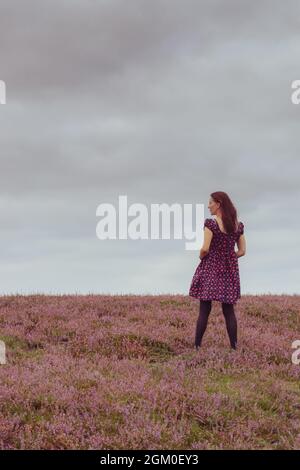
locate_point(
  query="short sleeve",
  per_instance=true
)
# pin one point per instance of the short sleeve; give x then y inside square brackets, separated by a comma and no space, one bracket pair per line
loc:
[241,228]
[209,224]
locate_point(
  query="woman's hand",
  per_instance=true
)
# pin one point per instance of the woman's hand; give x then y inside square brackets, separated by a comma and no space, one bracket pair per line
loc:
[203,253]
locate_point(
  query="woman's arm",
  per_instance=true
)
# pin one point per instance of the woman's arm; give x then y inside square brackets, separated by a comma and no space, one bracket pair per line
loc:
[203,253]
[241,243]
[206,243]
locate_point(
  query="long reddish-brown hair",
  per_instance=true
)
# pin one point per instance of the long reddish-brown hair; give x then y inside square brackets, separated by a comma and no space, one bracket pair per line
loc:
[229,213]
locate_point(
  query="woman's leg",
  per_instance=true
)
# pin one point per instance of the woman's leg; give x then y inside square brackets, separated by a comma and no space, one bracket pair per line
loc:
[204,311]
[231,323]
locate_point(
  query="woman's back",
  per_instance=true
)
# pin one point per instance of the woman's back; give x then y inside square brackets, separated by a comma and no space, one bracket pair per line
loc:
[221,226]
[217,275]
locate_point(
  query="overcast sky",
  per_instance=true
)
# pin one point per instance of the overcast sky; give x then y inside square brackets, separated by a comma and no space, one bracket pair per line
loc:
[163,101]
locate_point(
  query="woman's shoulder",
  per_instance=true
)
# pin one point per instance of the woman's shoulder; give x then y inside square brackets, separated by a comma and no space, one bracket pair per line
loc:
[210,223]
[240,227]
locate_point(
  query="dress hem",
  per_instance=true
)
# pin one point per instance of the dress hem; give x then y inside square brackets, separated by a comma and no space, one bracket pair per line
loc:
[214,299]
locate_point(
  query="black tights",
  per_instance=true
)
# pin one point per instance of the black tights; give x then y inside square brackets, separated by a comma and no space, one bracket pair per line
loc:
[230,318]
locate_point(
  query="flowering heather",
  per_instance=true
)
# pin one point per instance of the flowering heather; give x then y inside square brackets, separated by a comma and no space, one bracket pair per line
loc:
[120,372]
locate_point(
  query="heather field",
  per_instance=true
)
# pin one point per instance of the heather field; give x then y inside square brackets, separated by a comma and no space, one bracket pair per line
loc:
[120,372]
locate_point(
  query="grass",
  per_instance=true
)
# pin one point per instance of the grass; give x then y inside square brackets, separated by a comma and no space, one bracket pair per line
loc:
[121,372]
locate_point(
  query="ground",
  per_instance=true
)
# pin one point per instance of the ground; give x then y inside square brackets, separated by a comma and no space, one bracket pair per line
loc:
[121,372]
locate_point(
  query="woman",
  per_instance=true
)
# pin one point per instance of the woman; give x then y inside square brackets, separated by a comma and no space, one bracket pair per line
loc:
[217,275]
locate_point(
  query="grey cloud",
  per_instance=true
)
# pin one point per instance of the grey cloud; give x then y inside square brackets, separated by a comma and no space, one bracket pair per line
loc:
[165,101]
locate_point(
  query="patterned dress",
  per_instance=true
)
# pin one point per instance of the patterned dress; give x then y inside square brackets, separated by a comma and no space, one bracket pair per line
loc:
[217,275]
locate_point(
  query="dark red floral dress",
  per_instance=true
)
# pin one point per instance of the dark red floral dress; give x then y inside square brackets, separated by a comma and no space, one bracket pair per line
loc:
[217,275]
